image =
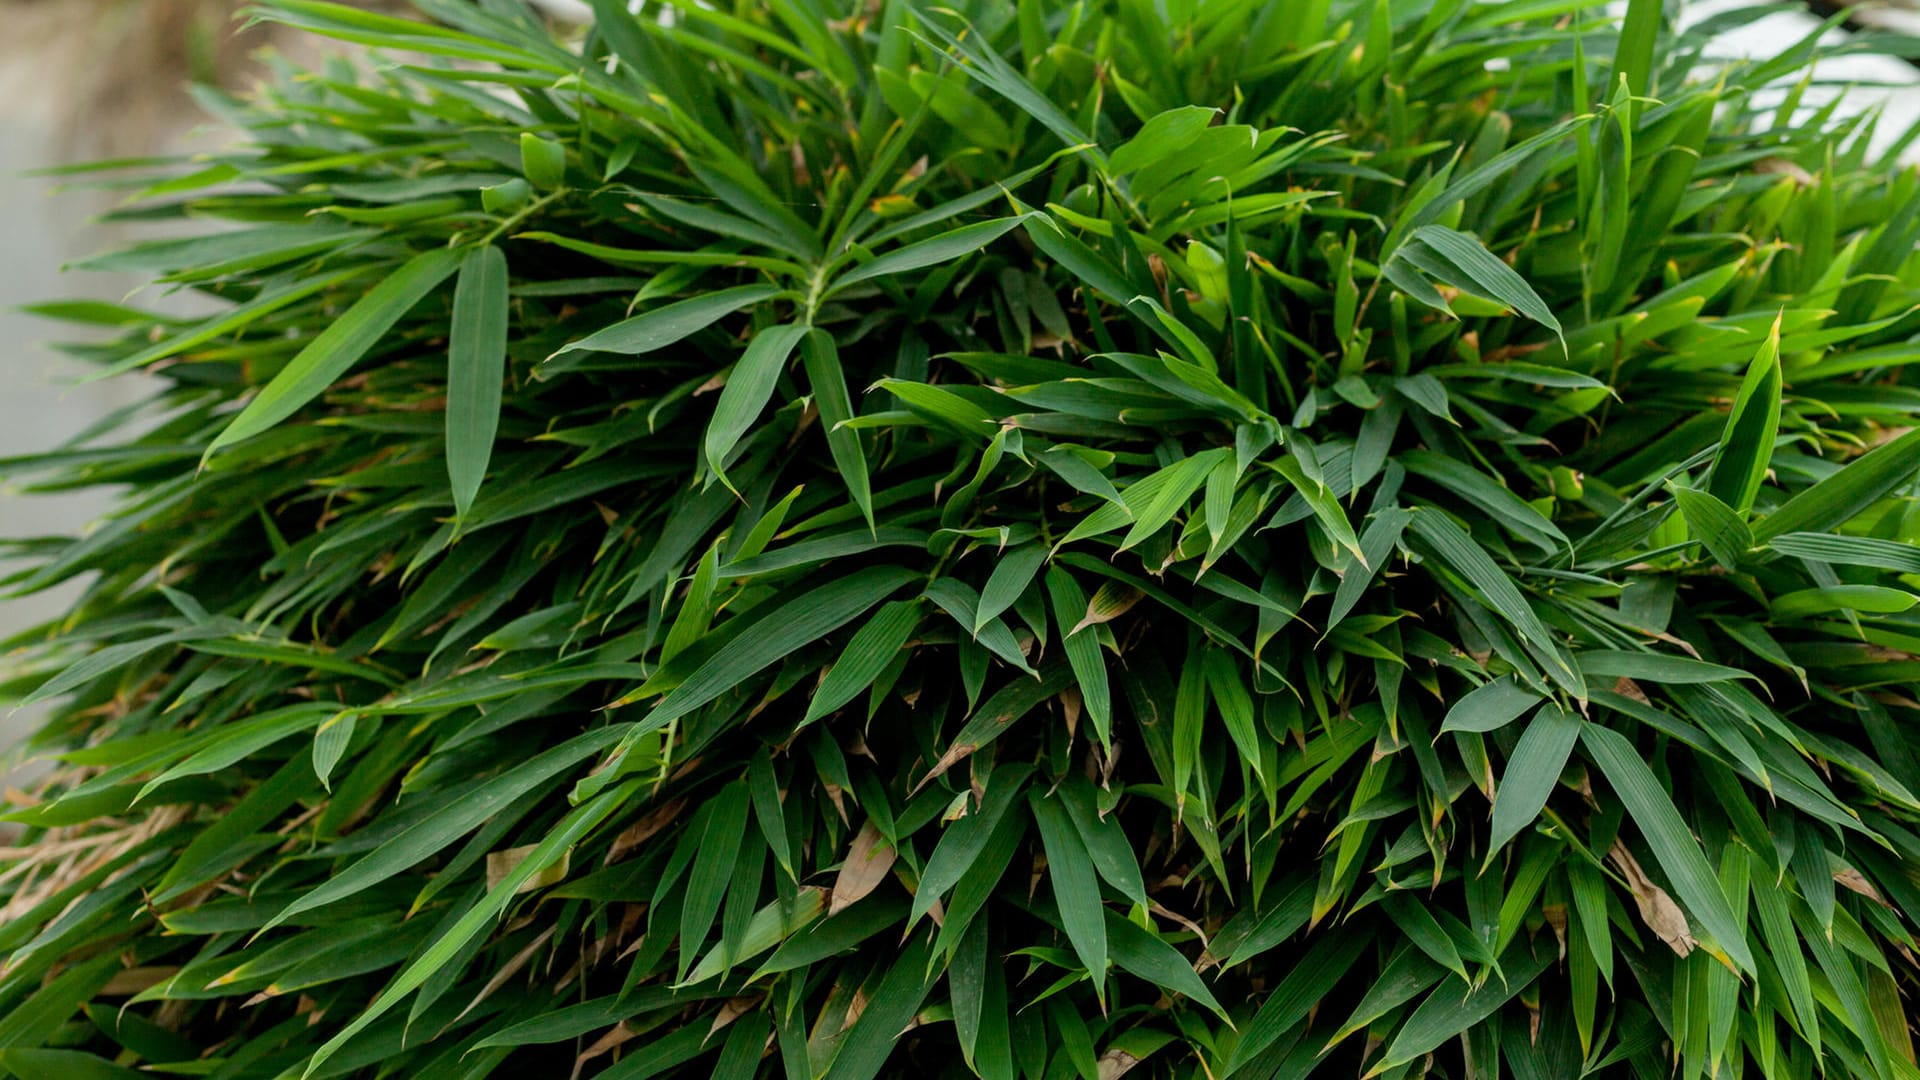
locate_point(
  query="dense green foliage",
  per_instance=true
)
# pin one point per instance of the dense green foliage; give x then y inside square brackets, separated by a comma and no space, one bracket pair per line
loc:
[1215,537]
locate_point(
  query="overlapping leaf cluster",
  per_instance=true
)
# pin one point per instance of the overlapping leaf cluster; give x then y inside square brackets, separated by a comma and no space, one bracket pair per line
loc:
[1210,538]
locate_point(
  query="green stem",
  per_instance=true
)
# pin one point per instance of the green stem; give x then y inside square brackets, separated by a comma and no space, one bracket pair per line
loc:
[521,215]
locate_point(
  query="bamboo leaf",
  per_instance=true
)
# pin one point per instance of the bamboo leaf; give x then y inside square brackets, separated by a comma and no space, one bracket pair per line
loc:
[341,345]
[867,654]
[1717,526]
[1011,575]
[476,367]
[1746,447]
[1836,499]
[829,383]
[748,389]
[1082,650]
[1451,1009]
[1465,263]
[1075,892]
[1677,852]
[930,252]
[665,325]
[712,869]
[1489,706]
[1533,771]
[542,161]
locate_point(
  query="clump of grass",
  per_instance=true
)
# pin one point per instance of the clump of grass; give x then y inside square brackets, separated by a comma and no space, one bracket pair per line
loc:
[808,539]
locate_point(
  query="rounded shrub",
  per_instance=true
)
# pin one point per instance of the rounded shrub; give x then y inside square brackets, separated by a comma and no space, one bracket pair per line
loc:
[1057,539]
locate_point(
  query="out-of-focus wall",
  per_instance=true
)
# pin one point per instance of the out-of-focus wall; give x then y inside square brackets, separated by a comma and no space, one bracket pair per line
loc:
[82,80]
[39,404]
[1867,82]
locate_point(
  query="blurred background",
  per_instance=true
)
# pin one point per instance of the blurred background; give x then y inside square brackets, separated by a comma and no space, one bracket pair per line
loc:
[84,80]
[87,79]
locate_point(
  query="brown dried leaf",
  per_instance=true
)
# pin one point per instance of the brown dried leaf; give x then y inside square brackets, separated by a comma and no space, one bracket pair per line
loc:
[1657,909]
[615,1037]
[1852,880]
[641,831]
[838,796]
[1112,600]
[734,1009]
[1192,927]
[1678,643]
[1556,915]
[134,980]
[1779,166]
[507,971]
[502,863]
[865,867]
[854,1008]
[1627,688]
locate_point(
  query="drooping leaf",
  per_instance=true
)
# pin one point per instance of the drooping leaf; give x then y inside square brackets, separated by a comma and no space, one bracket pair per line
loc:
[1746,447]
[1533,771]
[1677,852]
[476,366]
[336,349]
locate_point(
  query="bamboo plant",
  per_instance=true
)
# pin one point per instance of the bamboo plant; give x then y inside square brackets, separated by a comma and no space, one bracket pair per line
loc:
[1066,538]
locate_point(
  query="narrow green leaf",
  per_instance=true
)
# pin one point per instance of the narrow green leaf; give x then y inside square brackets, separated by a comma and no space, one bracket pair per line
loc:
[476,368]
[1490,706]
[1326,508]
[1457,549]
[1861,551]
[341,345]
[1418,924]
[1084,655]
[577,823]
[713,861]
[1654,667]
[62,1065]
[1718,527]
[1465,263]
[1234,704]
[1451,1009]
[1746,447]
[1303,988]
[330,740]
[748,389]
[800,621]
[1532,773]
[1107,844]
[877,644]
[1145,954]
[455,820]
[663,326]
[943,248]
[1075,892]
[1012,573]
[31,1023]
[1666,833]
[829,383]
[1079,260]
[1163,136]
[1633,55]
[871,1042]
[1840,497]
[964,840]
[1010,703]
[1872,599]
